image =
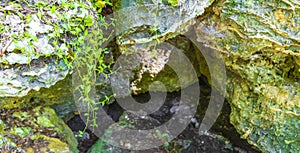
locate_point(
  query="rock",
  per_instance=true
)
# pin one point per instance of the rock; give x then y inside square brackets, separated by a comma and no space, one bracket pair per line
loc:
[36,48]
[139,31]
[166,20]
[259,43]
[99,146]
[127,120]
[260,47]
[35,130]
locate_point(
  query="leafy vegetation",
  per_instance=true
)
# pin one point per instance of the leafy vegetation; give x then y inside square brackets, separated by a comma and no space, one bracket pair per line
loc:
[75,34]
[173,2]
[90,62]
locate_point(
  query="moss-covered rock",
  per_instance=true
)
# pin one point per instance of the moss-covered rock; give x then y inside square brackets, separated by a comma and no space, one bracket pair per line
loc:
[137,36]
[38,41]
[35,130]
[260,43]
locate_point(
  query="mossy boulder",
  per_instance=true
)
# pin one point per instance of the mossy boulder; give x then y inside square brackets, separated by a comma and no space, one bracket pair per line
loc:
[260,46]
[259,42]
[35,130]
[137,35]
[38,41]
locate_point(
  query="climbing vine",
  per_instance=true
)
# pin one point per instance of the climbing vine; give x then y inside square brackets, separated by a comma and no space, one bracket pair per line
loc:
[90,63]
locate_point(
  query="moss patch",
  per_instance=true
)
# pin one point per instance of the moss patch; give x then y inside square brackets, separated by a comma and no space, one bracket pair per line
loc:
[37,129]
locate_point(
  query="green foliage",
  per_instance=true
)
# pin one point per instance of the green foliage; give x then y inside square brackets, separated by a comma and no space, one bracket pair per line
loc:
[73,41]
[100,4]
[2,127]
[21,115]
[90,63]
[173,2]
[21,131]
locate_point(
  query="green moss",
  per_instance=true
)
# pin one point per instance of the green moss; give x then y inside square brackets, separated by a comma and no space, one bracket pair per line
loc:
[2,126]
[6,142]
[44,122]
[48,96]
[262,56]
[55,144]
[21,115]
[29,150]
[267,117]
[21,131]
[46,117]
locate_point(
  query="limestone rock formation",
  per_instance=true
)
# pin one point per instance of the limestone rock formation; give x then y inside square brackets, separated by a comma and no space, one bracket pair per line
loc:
[36,49]
[259,42]
[37,43]
[138,32]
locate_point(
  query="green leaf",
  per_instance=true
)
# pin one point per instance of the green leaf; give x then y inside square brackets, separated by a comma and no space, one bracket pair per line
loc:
[73,32]
[39,14]
[158,132]
[100,4]
[34,38]
[108,2]
[86,32]
[78,30]
[166,144]
[72,5]
[21,131]
[88,21]
[173,2]
[28,18]
[64,26]
[20,15]
[53,9]
[54,43]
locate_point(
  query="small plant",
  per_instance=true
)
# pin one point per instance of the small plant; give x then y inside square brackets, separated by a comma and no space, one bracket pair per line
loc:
[100,4]
[90,63]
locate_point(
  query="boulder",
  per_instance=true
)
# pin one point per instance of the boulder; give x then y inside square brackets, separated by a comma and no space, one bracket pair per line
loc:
[37,129]
[260,46]
[36,50]
[38,39]
[138,32]
[259,43]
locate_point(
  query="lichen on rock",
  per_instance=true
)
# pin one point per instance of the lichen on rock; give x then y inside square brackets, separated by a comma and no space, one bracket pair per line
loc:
[261,53]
